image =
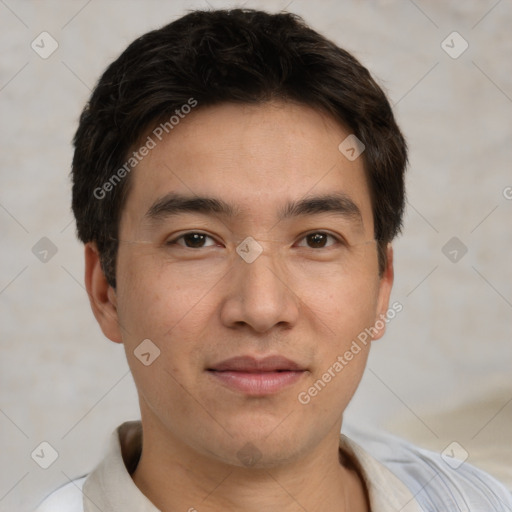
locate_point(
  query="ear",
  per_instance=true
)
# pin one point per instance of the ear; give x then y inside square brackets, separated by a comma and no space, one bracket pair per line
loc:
[101,295]
[385,286]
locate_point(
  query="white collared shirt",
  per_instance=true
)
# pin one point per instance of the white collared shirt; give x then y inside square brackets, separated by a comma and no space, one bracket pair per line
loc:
[406,479]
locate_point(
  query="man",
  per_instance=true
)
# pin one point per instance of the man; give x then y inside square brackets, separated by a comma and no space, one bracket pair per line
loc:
[237,182]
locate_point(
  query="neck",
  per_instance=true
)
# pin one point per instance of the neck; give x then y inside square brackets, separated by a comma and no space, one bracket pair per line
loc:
[174,477]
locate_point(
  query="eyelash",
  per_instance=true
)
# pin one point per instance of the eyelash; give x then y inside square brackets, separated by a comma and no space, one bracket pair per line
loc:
[338,240]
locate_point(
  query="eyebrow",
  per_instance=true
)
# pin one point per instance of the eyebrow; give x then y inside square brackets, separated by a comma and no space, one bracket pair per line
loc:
[175,204]
[339,203]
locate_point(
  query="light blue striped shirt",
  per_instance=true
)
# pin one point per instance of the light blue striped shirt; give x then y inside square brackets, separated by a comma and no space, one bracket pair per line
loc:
[436,483]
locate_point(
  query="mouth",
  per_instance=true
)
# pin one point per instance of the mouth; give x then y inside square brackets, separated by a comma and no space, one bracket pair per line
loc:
[257,377]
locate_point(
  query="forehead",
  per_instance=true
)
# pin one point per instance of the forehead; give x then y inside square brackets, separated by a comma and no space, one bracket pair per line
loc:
[256,157]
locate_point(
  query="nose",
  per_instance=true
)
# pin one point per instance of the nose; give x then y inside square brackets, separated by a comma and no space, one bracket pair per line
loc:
[260,297]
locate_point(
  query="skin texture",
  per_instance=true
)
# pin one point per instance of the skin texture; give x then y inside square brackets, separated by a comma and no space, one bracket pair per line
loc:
[203,305]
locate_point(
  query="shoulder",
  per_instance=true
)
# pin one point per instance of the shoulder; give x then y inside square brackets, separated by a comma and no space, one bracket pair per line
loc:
[438,482]
[444,481]
[67,498]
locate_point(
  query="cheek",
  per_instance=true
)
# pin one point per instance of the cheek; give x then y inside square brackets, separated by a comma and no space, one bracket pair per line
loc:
[341,310]
[157,297]
[342,314]
[175,309]
[164,307]
[345,304]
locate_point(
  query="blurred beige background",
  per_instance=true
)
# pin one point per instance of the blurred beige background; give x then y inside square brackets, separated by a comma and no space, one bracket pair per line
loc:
[442,373]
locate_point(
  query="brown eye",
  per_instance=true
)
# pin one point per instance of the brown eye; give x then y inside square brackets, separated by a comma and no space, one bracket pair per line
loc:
[317,240]
[194,240]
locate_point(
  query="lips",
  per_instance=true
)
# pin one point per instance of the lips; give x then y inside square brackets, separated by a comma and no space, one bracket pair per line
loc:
[257,377]
[249,364]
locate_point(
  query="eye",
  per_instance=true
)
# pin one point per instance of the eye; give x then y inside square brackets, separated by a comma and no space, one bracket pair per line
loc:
[193,240]
[318,240]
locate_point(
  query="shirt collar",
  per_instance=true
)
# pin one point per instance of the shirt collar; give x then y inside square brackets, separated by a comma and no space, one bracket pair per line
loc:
[110,488]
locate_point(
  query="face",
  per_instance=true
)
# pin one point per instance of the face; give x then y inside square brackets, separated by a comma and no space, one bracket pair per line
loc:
[247,258]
